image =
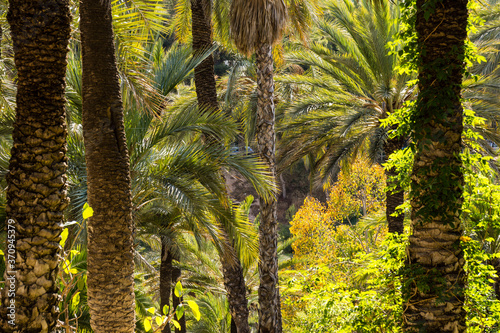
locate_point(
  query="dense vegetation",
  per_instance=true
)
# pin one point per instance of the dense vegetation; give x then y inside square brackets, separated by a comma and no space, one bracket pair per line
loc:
[128,129]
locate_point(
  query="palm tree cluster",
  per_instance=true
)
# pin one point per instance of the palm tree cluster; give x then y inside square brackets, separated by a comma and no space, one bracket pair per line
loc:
[117,141]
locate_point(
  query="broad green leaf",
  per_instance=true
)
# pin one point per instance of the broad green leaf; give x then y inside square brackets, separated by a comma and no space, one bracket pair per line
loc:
[178,289]
[179,311]
[159,321]
[195,308]
[176,324]
[87,211]
[75,300]
[147,325]
[151,310]
[64,237]
[165,309]
[80,284]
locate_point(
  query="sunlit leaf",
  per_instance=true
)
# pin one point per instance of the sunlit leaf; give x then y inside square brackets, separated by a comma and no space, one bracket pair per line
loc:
[195,308]
[179,311]
[87,211]
[178,289]
[147,325]
[75,300]
[176,324]
[64,237]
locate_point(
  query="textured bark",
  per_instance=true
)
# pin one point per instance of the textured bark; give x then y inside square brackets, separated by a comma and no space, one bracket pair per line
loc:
[234,329]
[110,230]
[202,40]
[269,310]
[36,190]
[397,196]
[435,257]
[166,270]
[206,92]
[176,276]
[236,292]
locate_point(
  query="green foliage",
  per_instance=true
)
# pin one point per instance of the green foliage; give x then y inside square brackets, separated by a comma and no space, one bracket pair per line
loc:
[370,301]
[362,292]
[155,320]
[72,280]
[350,86]
[481,217]
[405,42]
[483,310]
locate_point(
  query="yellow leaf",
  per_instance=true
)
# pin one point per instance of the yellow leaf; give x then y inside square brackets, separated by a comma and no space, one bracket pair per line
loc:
[64,237]
[176,324]
[75,300]
[196,310]
[147,325]
[87,211]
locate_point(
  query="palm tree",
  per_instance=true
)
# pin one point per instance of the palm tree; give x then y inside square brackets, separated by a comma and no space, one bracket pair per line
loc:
[206,93]
[168,165]
[36,192]
[110,229]
[207,100]
[188,186]
[351,86]
[436,280]
[256,26]
[214,309]
[234,280]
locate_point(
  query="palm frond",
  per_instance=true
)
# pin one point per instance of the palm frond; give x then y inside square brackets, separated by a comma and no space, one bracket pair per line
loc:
[257,22]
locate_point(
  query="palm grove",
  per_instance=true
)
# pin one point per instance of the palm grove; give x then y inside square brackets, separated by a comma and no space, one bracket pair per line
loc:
[125,126]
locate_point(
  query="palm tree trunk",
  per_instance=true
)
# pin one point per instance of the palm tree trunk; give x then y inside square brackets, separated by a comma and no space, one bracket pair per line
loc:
[395,197]
[204,77]
[234,329]
[236,291]
[206,92]
[36,182]
[434,301]
[110,229]
[393,200]
[269,311]
[166,271]
[176,276]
